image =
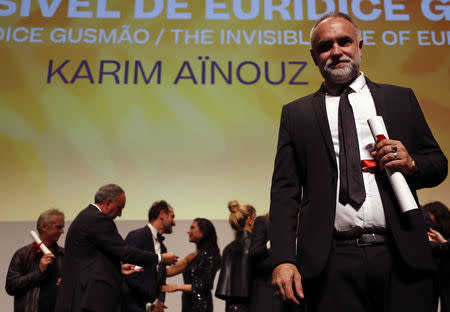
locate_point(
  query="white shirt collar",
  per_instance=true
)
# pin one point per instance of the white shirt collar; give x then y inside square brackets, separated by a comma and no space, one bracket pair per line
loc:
[153,230]
[358,83]
[97,207]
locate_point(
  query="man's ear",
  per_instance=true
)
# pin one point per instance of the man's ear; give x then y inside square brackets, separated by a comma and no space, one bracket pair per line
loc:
[311,51]
[108,201]
[360,45]
[44,227]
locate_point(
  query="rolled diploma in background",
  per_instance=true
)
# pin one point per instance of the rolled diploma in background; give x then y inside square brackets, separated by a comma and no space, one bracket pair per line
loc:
[38,241]
[399,185]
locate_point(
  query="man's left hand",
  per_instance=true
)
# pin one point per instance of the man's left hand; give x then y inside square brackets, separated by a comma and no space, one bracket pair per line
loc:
[393,154]
[158,306]
[127,268]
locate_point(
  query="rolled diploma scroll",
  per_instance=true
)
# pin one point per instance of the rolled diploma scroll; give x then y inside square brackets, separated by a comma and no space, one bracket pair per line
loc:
[401,189]
[38,241]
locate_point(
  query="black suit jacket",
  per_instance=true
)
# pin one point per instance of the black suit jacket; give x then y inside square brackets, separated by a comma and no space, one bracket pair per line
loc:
[142,287]
[305,178]
[94,250]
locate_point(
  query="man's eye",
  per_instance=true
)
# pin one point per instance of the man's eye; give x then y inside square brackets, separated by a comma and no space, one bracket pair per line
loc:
[345,41]
[323,47]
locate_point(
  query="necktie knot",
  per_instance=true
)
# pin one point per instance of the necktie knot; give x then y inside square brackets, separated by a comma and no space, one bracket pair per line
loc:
[160,238]
[347,91]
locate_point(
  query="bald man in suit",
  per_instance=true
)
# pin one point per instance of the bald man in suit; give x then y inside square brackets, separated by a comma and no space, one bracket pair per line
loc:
[355,250]
[94,253]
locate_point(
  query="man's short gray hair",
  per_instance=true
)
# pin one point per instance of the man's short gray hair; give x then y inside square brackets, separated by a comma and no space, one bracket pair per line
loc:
[48,218]
[108,191]
[335,15]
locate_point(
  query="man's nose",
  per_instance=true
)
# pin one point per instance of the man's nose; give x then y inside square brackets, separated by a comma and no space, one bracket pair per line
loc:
[336,49]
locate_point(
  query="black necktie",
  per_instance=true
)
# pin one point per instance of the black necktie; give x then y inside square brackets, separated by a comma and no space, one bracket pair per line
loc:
[352,189]
[160,238]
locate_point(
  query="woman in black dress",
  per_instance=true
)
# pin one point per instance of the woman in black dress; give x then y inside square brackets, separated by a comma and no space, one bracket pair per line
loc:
[233,285]
[199,271]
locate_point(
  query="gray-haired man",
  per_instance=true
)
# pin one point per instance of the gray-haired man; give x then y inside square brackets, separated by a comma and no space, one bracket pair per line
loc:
[33,277]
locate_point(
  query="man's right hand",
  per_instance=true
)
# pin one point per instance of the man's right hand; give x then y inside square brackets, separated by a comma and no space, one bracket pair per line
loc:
[169,258]
[283,277]
[45,261]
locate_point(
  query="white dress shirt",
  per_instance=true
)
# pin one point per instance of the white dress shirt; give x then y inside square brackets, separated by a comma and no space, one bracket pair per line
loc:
[156,242]
[371,213]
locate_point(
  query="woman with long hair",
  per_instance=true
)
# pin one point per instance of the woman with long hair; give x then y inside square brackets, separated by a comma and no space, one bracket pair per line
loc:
[233,285]
[440,215]
[199,269]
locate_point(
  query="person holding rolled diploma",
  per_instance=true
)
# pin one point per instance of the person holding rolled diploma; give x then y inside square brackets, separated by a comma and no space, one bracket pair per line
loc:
[358,246]
[34,274]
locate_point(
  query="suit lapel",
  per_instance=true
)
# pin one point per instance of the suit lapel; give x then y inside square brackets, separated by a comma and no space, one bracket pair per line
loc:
[149,245]
[163,248]
[378,96]
[320,110]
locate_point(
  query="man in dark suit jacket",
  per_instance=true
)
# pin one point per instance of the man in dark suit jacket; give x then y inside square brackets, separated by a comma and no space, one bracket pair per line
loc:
[94,251]
[142,290]
[356,251]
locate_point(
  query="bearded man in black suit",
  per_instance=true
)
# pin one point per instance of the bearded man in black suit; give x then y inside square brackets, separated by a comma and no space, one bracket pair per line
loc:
[355,250]
[95,255]
[142,290]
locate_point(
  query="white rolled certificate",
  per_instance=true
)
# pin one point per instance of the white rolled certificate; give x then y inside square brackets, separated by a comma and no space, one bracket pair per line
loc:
[401,188]
[41,245]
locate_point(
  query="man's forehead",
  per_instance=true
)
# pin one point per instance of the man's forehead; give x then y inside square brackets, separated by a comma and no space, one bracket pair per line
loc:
[333,27]
[334,23]
[56,219]
[334,19]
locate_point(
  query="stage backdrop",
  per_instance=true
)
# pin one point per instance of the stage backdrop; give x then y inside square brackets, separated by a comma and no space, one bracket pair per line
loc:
[181,99]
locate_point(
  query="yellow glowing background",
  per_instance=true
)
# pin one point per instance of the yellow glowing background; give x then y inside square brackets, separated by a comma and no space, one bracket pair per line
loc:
[195,145]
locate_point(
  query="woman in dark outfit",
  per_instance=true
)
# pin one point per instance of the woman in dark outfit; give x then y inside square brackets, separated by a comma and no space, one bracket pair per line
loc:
[440,215]
[233,285]
[262,297]
[199,272]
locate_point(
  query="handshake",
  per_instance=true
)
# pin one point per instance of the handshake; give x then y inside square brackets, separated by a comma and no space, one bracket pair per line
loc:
[166,258]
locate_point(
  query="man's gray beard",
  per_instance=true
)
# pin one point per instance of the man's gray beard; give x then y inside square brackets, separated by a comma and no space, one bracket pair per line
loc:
[340,75]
